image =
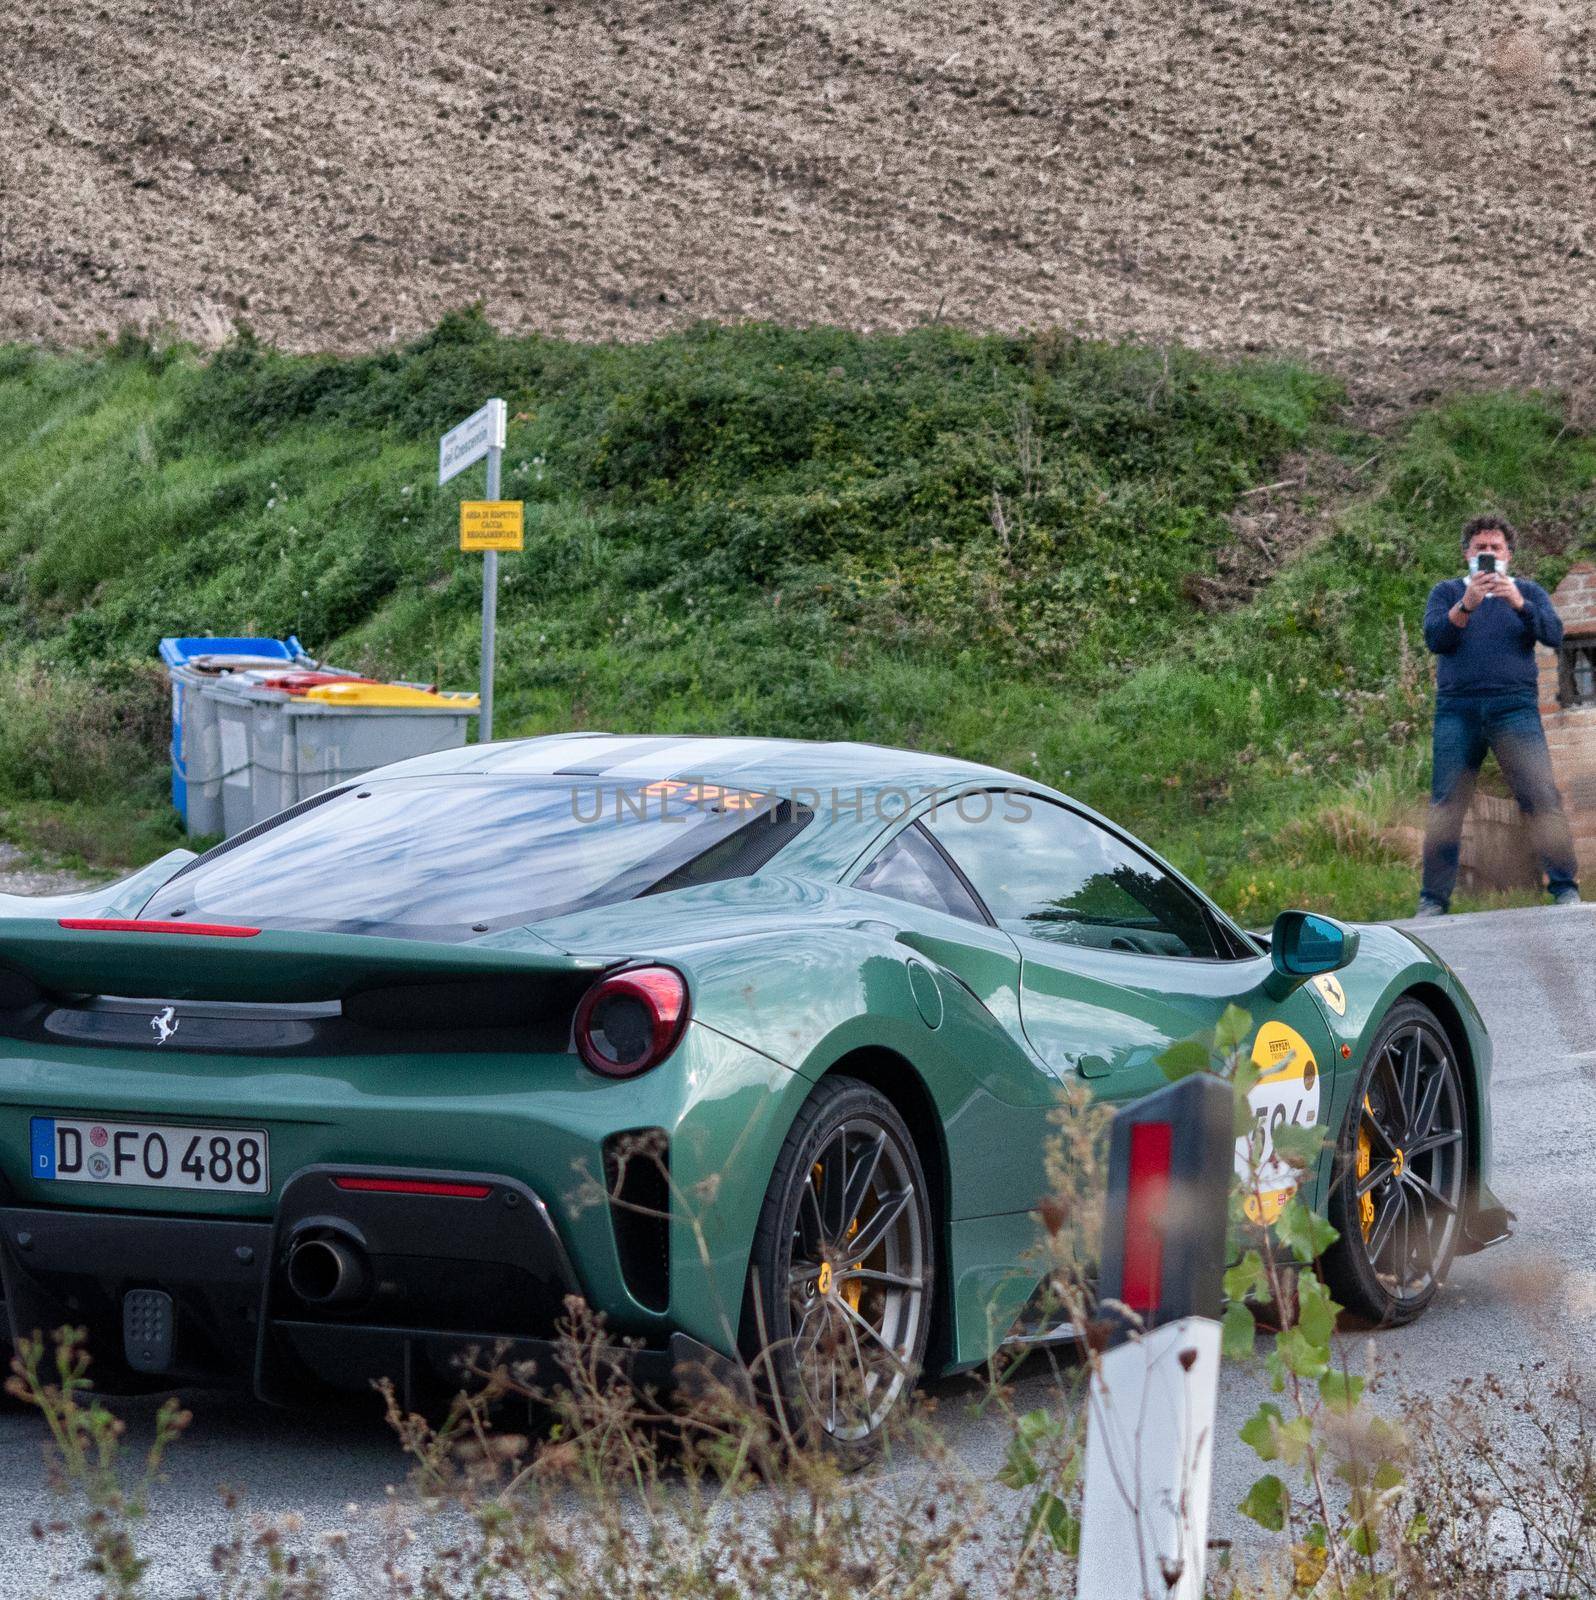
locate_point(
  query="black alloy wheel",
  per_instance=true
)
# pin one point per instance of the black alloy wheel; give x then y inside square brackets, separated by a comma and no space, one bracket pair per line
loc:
[1401,1172]
[842,1271]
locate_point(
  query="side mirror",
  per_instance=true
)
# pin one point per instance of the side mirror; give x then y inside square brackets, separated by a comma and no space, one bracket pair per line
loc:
[1305,944]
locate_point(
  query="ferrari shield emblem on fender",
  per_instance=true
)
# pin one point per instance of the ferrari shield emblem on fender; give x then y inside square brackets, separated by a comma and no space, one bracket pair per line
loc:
[1331,993]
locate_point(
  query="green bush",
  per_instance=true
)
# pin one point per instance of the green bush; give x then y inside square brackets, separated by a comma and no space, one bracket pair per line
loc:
[79,738]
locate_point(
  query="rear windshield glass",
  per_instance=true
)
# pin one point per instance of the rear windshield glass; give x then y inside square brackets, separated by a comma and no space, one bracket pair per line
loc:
[452,858]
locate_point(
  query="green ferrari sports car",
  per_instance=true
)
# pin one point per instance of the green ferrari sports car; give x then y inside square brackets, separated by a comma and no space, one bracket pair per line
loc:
[742,1041]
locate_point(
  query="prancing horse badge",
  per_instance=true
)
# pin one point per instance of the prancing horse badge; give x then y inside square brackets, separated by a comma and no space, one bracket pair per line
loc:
[1332,993]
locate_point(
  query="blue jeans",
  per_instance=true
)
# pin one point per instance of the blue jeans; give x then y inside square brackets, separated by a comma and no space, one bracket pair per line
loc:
[1509,725]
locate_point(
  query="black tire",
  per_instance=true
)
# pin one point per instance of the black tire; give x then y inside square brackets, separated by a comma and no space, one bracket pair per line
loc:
[1401,1216]
[837,1334]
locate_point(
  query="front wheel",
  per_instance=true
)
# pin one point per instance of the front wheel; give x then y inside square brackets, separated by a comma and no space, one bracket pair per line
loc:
[1401,1169]
[841,1274]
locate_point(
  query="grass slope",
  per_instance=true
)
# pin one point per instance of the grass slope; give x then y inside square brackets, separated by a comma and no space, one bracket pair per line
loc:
[976,544]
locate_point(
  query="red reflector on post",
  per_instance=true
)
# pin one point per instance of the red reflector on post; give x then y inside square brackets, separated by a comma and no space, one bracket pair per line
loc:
[213,930]
[428,1186]
[1142,1279]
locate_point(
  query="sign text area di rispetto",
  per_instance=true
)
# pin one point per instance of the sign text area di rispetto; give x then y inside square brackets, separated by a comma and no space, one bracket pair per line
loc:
[492,525]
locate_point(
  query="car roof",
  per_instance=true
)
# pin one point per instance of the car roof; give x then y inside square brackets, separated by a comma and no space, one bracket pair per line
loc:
[777,765]
[858,792]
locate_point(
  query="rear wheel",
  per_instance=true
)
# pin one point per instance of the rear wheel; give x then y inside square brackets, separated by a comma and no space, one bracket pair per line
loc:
[1401,1170]
[841,1275]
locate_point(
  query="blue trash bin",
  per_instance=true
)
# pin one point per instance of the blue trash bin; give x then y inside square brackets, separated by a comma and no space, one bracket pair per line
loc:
[196,745]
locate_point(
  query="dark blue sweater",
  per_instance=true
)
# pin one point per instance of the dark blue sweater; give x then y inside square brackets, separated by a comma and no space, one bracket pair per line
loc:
[1495,653]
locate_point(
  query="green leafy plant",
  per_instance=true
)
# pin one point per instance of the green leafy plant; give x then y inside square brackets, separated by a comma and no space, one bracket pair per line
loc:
[1345,1460]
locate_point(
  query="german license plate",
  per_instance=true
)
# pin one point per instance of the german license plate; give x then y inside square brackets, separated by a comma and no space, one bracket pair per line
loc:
[147,1156]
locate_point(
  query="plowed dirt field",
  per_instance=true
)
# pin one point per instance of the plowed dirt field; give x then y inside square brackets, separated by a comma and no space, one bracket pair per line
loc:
[1401,191]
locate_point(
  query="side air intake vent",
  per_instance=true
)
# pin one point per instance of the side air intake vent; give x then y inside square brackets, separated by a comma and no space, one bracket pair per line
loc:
[637,1175]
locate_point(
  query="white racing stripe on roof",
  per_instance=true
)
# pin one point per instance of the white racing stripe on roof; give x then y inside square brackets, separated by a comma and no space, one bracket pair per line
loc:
[600,763]
[688,758]
[549,753]
[739,755]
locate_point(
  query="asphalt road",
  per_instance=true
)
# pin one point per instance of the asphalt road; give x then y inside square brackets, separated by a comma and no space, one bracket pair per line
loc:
[1533,1299]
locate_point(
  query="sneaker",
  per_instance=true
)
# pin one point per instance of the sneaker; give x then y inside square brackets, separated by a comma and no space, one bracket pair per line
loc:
[1430,908]
[1566,897]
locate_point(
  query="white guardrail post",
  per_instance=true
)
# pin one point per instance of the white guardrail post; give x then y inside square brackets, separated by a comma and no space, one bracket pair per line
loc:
[1150,1415]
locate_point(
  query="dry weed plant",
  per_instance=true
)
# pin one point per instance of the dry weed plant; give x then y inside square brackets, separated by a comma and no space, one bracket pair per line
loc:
[572,1484]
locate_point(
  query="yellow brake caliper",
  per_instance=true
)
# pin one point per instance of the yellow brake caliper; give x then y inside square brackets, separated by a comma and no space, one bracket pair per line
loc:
[854,1288]
[1365,1161]
[853,1291]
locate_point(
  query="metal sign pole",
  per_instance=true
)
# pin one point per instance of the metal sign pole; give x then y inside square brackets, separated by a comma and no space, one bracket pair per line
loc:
[490,609]
[490,526]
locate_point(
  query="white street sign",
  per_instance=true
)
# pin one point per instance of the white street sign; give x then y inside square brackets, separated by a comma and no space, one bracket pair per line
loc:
[479,433]
[482,434]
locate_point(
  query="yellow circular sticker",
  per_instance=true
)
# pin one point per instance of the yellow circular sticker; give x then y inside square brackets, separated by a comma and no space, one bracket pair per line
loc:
[1286,1095]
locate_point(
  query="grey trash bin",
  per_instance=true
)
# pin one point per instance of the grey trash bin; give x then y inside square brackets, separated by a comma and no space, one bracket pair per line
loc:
[279,748]
[231,701]
[192,663]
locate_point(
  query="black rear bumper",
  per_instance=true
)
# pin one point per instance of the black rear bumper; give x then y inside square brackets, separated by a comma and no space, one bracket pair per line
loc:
[442,1273]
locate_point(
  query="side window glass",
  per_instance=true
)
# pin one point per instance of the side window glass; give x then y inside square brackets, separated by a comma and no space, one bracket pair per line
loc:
[911,868]
[1046,873]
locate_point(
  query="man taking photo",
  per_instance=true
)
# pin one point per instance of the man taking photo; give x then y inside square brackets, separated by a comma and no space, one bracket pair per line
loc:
[1484,629]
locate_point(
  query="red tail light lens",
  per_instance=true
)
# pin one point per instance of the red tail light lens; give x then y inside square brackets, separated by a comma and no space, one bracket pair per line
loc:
[1142,1278]
[630,1021]
[426,1186]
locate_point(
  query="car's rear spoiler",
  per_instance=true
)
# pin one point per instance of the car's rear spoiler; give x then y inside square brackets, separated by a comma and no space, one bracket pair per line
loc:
[177,961]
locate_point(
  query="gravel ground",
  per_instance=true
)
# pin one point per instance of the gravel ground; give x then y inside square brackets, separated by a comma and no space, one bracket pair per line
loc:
[17,877]
[1531,1300]
[1403,192]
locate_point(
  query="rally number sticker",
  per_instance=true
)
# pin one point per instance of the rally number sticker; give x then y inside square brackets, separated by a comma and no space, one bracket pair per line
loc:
[1286,1095]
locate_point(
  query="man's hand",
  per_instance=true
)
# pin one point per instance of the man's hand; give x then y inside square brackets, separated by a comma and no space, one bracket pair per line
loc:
[1503,587]
[1478,589]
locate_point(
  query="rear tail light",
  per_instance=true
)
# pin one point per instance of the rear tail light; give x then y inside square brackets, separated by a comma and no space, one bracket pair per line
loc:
[630,1021]
[427,1186]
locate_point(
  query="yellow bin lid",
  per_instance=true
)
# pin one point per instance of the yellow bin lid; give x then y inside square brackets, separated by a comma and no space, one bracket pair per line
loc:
[386,696]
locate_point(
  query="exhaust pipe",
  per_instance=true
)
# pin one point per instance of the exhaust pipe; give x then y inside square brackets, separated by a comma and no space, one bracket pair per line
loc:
[328,1272]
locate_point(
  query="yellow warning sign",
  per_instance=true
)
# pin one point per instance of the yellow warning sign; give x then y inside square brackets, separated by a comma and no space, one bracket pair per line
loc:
[492,525]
